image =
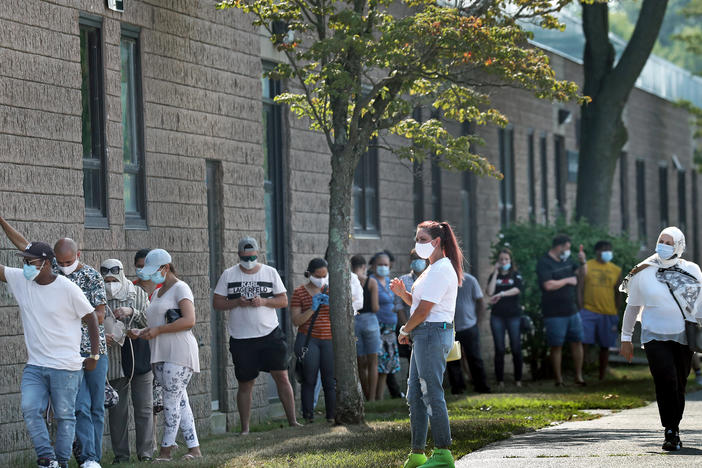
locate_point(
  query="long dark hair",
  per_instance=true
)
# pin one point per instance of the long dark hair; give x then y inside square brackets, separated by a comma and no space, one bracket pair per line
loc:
[513,265]
[449,243]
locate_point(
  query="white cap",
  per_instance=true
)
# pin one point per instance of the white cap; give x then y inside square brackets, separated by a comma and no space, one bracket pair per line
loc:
[155,260]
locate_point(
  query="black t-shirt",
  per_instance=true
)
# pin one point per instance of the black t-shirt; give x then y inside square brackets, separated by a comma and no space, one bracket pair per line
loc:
[507,306]
[561,302]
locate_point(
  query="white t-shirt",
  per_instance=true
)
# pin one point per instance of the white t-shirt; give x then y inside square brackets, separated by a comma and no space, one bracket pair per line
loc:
[51,316]
[250,322]
[356,293]
[178,348]
[660,317]
[437,284]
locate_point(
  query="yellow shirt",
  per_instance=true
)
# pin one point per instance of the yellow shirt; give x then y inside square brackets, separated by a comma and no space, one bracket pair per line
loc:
[600,281]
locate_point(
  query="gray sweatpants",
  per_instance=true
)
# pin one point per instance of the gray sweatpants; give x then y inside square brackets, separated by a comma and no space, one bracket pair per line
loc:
[142,401]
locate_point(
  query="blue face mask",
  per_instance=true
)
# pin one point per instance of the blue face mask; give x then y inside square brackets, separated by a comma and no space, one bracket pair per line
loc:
[506,266]
[665,251]
[158,277]
[141,275]
[31,271]
[418,265]
[383,270]
[607,256]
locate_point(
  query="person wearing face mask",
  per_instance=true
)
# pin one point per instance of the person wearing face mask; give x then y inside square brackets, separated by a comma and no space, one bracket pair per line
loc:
[174,350]
[388,357]
[52,309]
[251,292]
[367,329]
[90,403]
[504,288]
[142,280]
[309,311]
[558,278]
[430,330]
[600,298]
[663,292]
[130,364]
[417,267]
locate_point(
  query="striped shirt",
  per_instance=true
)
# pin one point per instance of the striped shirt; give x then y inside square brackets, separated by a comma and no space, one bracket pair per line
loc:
[138,320]
[322,326]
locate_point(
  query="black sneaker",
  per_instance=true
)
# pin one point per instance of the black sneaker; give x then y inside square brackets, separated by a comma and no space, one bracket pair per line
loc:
[672,441]
[47,462]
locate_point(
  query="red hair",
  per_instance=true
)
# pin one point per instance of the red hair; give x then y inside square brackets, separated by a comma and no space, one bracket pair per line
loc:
[449,243]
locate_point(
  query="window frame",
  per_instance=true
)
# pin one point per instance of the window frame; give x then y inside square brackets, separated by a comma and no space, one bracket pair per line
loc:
[641,200]
[682,199]
[663,195]
[623,190]
[138,219]
[507,200]
[531,176]
[561,173]
[95,218]
[368,193]
[543,156]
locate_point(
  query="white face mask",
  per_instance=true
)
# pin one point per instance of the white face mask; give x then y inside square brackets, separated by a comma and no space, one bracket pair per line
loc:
[565,255]
[69,269]
[319,282]
[113,288]
[248,265]
[424,250]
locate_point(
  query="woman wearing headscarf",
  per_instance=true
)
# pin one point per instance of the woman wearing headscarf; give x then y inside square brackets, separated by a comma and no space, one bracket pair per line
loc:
[664,293]
[130,363]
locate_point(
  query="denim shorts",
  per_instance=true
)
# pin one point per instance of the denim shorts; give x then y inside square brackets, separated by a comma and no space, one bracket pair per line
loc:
[600,329]
[562,329]
[367,334]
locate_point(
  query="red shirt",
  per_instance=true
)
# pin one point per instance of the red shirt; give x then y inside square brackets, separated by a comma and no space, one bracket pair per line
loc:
[322,326]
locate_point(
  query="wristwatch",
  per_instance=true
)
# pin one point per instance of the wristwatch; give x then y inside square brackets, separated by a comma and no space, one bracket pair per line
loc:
[94,357]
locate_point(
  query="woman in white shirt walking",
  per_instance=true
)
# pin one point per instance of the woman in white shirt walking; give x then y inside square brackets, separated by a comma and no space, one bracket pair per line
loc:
[664,293]
[174,350]
[430,330]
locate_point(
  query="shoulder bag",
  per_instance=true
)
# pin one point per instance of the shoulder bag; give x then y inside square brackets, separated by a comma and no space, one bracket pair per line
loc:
[300,358]
[693,332]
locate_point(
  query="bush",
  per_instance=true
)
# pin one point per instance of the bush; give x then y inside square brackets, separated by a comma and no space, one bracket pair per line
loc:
[528,243]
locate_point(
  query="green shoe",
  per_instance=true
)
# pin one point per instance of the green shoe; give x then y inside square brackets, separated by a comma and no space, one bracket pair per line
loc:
[414,460]
[440,457]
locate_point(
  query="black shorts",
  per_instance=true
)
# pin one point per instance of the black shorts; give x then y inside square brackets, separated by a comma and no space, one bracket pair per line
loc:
[261,354]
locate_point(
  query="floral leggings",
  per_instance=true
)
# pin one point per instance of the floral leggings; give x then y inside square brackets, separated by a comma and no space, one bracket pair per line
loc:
[176,407]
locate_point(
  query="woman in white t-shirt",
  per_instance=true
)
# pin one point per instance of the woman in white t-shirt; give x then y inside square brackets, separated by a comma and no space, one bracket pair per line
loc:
[430,331]
[174,350]
[664,293]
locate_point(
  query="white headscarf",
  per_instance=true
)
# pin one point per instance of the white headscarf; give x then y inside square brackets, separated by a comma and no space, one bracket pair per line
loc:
[127,290]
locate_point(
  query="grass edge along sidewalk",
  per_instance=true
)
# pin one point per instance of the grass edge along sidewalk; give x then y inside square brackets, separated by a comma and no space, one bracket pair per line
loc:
[476,420]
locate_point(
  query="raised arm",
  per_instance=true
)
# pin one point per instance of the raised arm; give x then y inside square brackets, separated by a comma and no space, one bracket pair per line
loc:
[2,274]
[15,237]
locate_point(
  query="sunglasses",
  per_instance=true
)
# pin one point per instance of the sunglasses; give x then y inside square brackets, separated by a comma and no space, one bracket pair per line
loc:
[114,270]
[30,261]
[249,258]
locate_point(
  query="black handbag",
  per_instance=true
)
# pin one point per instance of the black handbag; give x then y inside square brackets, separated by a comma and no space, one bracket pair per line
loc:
[172,315]
[300,358]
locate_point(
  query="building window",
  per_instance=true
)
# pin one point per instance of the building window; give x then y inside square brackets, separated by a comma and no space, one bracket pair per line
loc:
[663,194]
[507,201]
[436,189]
[132,131]
[641,200]
[695,221]
[560,173]
[624,191]
[273,173]
[543,155]
[682,201]
[418,179]
[531,176]
[365,194]
[93,124]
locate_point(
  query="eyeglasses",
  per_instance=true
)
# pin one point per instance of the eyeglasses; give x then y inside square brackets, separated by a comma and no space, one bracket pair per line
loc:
[114,270]
[249,258]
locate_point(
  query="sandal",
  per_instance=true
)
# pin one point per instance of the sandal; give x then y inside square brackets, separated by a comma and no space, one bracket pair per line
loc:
[190,456]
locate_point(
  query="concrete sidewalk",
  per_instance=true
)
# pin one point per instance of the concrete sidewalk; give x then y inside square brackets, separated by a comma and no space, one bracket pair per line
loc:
[625,439]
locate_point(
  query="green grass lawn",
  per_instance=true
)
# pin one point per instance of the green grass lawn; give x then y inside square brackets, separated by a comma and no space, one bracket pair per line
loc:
[383,441]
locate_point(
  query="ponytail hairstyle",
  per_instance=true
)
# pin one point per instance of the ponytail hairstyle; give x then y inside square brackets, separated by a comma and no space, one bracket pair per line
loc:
[314,265]
[449,243]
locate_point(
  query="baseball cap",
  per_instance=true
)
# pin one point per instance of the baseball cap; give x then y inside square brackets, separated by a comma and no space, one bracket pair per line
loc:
[248,244]
[155,260]
[37,250]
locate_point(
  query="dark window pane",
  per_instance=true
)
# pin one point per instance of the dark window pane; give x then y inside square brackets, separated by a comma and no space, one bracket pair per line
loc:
[663,195]
[641,199]
[531,176]
[543,151]
[365,194]
[624,190]
[86,123]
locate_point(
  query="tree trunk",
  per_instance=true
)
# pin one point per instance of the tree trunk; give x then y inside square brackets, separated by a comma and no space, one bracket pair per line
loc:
[602,130]
[349,396]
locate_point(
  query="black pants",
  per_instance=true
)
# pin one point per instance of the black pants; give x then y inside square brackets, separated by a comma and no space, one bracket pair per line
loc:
[670,363]
[470,341]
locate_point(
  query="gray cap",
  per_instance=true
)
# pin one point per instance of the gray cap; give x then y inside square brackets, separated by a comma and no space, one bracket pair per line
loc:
[248,244]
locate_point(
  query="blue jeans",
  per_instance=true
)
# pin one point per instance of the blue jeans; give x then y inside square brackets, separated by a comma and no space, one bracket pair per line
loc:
[39,385]
[90,411]
[431,343]
[318,360]
[367,330]
[511,325]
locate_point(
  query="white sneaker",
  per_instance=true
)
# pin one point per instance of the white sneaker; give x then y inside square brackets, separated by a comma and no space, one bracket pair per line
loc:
[90,464]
